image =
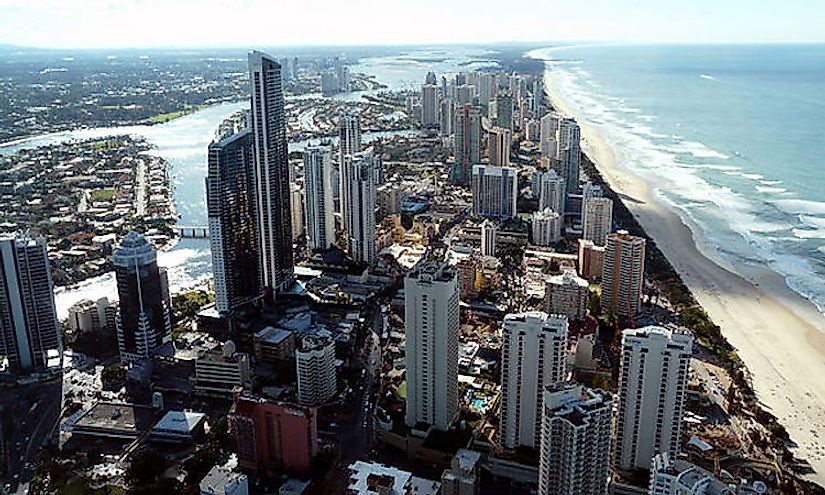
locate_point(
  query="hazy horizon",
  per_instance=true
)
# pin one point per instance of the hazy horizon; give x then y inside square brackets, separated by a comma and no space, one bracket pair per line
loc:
[105,24]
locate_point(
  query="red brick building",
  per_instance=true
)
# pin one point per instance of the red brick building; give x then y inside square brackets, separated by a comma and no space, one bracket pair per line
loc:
[273,435]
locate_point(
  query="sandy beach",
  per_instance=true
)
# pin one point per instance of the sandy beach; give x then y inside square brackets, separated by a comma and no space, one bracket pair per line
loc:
[779,335]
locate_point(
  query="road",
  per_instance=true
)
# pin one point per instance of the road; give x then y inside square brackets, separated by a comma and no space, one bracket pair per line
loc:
[354,433]
[32,411]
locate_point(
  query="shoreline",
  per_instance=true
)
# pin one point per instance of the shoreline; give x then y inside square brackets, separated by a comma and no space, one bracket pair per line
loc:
[778,334]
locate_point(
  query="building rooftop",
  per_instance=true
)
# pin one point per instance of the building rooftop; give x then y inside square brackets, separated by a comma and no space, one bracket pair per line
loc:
[115,419]
[272,335]
[179,422]
[369,477]
[221,479]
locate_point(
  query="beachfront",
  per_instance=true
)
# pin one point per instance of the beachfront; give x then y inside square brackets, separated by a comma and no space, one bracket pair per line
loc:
[779,335]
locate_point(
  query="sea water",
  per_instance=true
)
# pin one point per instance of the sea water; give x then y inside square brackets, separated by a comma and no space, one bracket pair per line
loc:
[730,136]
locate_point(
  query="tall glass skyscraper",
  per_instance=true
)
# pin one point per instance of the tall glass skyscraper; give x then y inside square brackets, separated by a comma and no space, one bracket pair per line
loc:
[143,320]
[271,173]
[233,229]
[29,331]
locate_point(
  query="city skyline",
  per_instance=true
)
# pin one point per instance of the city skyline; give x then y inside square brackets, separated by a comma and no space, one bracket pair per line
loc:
[99,24]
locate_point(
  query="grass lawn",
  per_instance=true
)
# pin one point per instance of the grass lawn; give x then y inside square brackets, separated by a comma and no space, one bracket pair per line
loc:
[166,117]
[102,195]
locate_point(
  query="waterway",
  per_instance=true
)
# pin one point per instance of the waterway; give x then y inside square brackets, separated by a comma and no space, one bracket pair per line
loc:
[183,143]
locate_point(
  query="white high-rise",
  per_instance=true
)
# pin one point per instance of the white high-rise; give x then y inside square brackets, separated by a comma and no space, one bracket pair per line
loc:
[320,208]
[548,127]
[533,356]
[358,200]
[495,191]
[575,441]
[546,227]
[598,220]
[432,325]
[349,134]
[30,334]
[652,385]
[498,142]
[623,273]
[551,191]
[568,152]
[429,105]
[296,197]
[315,366]
[446,122]
[589,191]
[488,238]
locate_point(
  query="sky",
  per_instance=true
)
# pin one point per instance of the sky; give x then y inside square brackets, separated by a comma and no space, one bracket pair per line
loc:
[190,23]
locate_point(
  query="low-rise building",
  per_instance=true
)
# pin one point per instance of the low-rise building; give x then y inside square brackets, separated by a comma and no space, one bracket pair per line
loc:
[274,345]
[372,478]
[178,427]
[219,369]
[462,477]
[220,480]
[678,477]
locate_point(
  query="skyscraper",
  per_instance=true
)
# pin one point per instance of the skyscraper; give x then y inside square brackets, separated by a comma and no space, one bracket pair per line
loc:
[550,191]
[467,142]
[495,191]
[548,126]
[568,151]
[320,208]
[233,229]
[598,220]
[533,356]
[589,191]
[546,227]
[30,338]
[358,199]
[431,322]
[623,273]
[271,172]
[315,365]
[488,238]
[504,111]
[349,134]
[429,106]
[575,441]
[296,198]
[652,384]
[499,141]
[446,122]
[143,320]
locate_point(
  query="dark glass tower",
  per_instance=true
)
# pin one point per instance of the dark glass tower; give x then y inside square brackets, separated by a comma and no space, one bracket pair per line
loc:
[230,199]
[143,321]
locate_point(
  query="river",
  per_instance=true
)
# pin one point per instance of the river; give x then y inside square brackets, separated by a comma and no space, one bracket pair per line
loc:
[183,143]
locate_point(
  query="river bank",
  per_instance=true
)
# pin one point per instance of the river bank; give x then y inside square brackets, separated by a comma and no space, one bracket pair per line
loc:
[779,335]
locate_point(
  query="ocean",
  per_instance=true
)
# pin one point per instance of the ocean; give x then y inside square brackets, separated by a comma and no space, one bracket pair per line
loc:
[730,136]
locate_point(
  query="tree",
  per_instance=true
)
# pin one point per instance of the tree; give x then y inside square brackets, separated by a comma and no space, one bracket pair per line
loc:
[145,468]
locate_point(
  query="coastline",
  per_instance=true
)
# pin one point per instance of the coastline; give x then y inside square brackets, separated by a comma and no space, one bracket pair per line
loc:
[779,335]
